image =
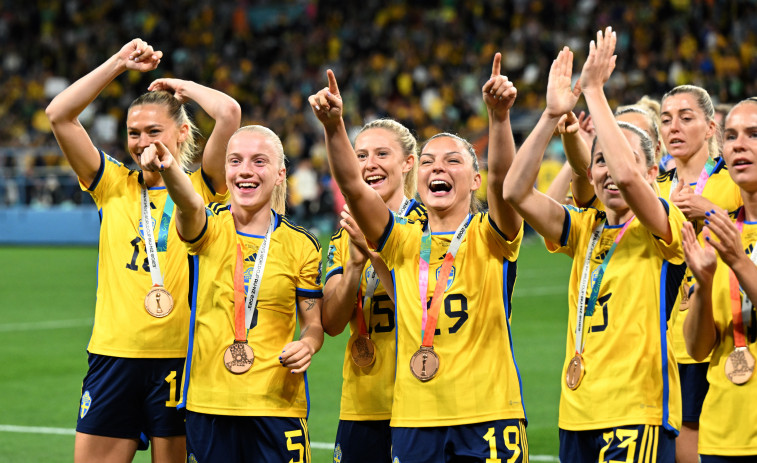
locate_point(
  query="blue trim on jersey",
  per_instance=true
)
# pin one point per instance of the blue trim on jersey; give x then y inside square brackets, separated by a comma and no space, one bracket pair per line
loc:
[202,232]
[100,172]
[508,279]
[155,188]
[387,232]
[664,349]
[309,292]
[565,228]
[249,235]
[496,228]
[750,223]
[305,374]
[194,270]
[396,344]
[307,395]
[100,214]
[334,271]
[666,206]
[444,233]
[208,181]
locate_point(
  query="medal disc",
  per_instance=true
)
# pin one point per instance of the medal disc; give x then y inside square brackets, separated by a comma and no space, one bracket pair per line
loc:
[575,372]
[158,302]
[685,301]
[424,364]
[739,366]
[238,357]
[363,351]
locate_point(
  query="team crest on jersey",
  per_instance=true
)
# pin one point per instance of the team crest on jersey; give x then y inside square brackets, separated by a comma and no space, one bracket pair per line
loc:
[191,458]
[141,227]
[451,277]
[114,161]
[396,460]
[338,454]
[86,401]
[330,261]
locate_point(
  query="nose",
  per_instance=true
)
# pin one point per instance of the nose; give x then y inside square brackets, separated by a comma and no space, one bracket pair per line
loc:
[370,162]
[144,140]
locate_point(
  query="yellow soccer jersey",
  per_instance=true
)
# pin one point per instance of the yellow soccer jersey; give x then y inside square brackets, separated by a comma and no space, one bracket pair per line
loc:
[292,268]
[478,378]
[728,424]
[721,191]
[123,328]
[631,373]
[367,392]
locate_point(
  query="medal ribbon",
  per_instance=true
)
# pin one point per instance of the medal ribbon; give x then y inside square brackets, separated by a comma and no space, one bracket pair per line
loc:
[241,322]
[705,175]
[737,302]
[431,314]
[151,248]
[582,310]
[372,281]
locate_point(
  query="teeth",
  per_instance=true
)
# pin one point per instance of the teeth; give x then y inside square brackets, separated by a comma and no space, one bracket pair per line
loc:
[439,182]
[612,187]
[246,185]
[374,178]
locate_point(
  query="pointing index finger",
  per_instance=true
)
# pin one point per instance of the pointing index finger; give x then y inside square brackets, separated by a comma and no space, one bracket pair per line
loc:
[333,87]
[496,64]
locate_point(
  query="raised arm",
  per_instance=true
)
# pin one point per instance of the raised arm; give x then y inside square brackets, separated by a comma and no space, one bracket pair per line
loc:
[499,95]
[65,108]
[223,109]
[297,355]
[578,154]
[190,208]
[366,205]
[617,151]
[699,328]
[543,213]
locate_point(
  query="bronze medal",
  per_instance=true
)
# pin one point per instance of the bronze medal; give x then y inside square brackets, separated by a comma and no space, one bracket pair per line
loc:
[424,364]
[363,351]
[685,302]
[238,357]
[575,372]
[739,366]
[158,302]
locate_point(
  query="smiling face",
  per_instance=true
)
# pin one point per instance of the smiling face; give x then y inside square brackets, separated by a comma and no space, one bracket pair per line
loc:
[253,168]
[740,145]
[446,176]
[383,164]
[685,129]
[148,123]
[604,187]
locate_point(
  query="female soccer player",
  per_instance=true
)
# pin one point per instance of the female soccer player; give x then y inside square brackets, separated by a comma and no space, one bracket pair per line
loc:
[139,339]
[699,183]
[254,275]
[386,152]
[722,320]
[620,397]
[457,390]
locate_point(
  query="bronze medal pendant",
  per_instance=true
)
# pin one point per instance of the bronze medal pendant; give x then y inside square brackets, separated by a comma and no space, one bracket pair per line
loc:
[158,302]
[424,364]
[238,357]
[575,372]
[363,351]
[739,366]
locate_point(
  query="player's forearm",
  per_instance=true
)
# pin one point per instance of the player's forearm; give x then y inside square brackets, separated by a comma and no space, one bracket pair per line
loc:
[190,209]
[525,167]
[746,273]
[311,334]
[699,327]
[340,296]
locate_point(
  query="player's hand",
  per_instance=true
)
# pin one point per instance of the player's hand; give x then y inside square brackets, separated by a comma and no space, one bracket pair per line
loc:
[601,61]
[359,250]
[175,86]
[728,242]
[586,126]
[701,260]
[693,206]
[561,98]
[498,92]
[568,124]
[296,356]
[327,103]
[156,158]
[138,55]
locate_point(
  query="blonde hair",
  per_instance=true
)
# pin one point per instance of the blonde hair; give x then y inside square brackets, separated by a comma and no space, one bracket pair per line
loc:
[409,146]
[177,113]
[279,194]
[704,102]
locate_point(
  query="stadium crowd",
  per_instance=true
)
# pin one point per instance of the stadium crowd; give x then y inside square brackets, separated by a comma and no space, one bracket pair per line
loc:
[418,62]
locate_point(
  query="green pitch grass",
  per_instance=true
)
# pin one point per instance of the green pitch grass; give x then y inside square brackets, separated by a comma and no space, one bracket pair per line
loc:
[46,309]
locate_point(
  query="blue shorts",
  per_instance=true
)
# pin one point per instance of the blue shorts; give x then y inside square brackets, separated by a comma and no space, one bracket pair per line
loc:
[500,440]
[363,441]
[722,459]
[694,387]
[124,397]
[246,438]
[616,444]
